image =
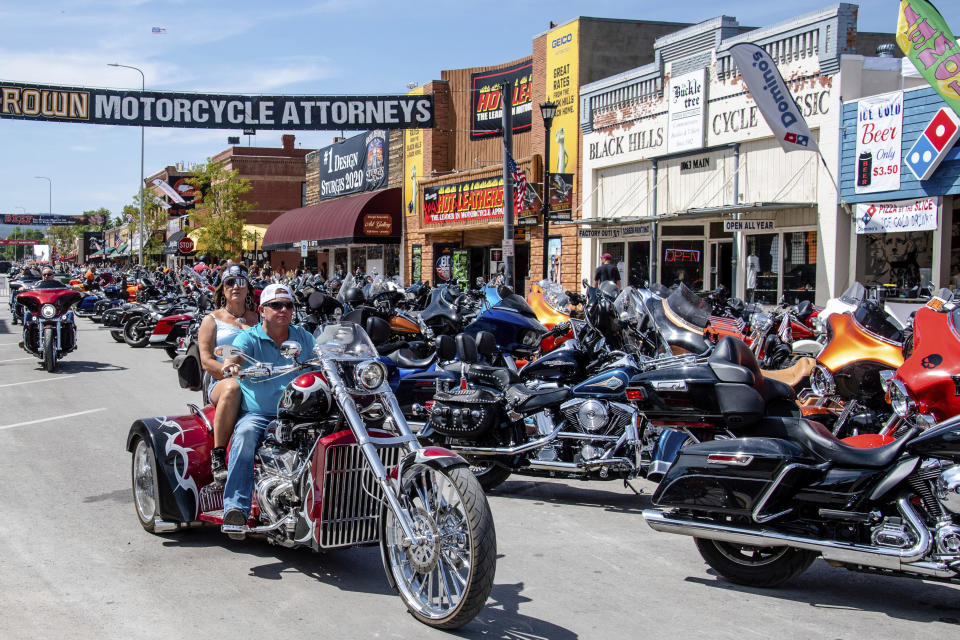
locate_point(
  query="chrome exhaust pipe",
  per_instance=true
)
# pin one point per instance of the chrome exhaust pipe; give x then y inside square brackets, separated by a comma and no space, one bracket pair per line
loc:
[507,451]
[834,550]
[581,467]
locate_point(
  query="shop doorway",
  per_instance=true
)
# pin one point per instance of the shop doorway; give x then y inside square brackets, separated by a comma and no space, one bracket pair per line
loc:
[521,268]
[638,254]
[721,264]
[478,263]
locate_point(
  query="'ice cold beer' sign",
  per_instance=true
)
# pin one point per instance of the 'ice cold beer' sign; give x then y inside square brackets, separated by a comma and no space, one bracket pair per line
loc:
[188,110]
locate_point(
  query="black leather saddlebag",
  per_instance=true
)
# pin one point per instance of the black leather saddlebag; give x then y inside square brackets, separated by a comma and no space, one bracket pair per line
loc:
[464,413]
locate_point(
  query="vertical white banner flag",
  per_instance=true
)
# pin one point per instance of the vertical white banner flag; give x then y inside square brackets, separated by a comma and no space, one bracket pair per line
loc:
[773,99]
[879,124]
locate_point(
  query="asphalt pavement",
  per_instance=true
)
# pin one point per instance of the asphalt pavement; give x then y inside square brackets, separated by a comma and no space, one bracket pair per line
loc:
[575,558]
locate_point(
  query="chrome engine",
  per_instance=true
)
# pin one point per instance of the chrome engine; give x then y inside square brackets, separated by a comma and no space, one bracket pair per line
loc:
[276,495]
[600,422]
[948,489]
[891,532]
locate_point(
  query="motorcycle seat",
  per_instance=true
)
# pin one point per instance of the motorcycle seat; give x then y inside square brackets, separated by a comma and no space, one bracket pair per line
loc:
[496,377]
[793,375]
[732,361]
[817,439]
[405,362]
[527,400]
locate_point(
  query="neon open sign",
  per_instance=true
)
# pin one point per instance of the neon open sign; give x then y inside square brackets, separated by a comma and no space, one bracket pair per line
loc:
[682,255]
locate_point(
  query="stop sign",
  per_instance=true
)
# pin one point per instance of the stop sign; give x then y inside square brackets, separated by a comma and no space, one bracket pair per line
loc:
[185,245]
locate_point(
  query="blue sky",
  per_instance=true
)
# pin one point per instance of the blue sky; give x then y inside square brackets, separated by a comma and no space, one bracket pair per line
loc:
[301,48]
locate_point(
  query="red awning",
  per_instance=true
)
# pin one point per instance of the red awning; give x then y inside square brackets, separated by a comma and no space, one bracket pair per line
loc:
[366,218]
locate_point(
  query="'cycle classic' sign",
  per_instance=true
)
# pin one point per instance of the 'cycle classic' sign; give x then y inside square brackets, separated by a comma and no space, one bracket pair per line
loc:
[213,111]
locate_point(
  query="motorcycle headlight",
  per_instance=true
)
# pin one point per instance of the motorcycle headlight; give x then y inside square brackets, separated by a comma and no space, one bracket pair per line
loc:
[822,382]
[760,321]
[370,375]
[48,310]
[900,400]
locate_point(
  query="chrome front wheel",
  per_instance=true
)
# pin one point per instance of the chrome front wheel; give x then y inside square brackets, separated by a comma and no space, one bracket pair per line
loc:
[144,483]
[445,574]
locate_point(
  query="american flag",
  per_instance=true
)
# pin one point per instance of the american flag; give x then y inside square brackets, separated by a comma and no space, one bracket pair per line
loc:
[159,30]
[519,184]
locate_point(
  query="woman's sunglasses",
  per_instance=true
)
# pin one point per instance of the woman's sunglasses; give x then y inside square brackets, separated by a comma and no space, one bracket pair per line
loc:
[276,306]
[235,282]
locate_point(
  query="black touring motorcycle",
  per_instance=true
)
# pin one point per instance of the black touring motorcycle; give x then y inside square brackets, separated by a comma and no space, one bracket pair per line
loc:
[762,508]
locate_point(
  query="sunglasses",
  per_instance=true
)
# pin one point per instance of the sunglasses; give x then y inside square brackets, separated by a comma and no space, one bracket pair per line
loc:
[47,275]
[276,306]
[235,282]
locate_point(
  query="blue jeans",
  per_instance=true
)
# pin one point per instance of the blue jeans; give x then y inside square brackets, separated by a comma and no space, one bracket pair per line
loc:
[247,436]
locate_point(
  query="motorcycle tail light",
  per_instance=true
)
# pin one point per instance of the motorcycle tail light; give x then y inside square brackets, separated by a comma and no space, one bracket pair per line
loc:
[636,393]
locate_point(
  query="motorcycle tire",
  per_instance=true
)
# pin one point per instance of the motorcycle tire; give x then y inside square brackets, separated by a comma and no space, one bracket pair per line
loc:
[49,350]
[131,333]
[117,335]
[171,351]
[489,475]
[754,566]
[465,544]
[144,483]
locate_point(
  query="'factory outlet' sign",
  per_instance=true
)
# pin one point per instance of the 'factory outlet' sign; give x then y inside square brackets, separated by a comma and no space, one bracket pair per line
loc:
[213,111]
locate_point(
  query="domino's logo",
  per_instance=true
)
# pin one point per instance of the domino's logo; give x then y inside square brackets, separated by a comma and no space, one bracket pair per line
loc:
[793,138]
[933,144]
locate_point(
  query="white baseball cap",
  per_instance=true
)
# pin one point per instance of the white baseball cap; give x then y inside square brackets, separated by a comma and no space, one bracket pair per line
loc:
[275,292]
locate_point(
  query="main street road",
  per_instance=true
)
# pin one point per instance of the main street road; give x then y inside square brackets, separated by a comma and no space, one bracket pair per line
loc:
[575,558]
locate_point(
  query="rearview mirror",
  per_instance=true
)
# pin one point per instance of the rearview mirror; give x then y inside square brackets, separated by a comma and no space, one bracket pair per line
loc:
[290,350]
[585,283]
[227,351]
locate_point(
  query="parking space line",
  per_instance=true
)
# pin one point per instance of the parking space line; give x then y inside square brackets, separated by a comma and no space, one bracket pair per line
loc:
[68,415]
[17,384]
[10,344]
[16,359]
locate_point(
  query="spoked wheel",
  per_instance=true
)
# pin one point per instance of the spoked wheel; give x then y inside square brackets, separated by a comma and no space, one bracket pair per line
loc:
[144,482]
[754,566]
[489,474]
[445,576]
[135,334]
[117,335]
[49,350]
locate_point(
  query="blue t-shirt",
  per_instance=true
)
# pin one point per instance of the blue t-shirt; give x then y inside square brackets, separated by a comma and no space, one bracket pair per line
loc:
[259,395]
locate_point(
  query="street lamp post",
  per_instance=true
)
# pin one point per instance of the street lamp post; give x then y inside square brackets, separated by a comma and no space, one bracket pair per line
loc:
[49,202]
[547,110]
[24,209]
[143,86]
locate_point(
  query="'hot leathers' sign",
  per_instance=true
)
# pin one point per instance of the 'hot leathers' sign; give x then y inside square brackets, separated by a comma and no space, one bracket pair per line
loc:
[463,201]
[356,164]
[486,96]
[191,110]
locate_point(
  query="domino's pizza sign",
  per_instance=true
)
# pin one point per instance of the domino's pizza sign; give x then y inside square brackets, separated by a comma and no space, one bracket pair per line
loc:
[933,144]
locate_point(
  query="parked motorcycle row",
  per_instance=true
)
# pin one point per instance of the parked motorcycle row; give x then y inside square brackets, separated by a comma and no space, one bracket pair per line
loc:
[774,435]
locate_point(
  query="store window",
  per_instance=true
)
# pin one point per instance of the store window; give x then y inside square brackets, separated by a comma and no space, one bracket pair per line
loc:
[358,259]
[391,259]
[416,266]
[763,266]
[339,262]
[899,262]
[638,256]
[615,249]
[683,263]
[799,266]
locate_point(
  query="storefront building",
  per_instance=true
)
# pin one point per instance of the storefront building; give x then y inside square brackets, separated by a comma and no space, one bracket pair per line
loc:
[684,181]
[900,175]
[452,177]
[352,219]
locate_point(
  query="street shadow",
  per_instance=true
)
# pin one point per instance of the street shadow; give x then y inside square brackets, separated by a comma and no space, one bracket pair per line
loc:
[85,366]
[120,495]
[582,493]
[825,587]
[360,570]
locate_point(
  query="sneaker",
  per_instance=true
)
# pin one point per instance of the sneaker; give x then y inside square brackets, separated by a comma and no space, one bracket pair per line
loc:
[218,466]
[234,524]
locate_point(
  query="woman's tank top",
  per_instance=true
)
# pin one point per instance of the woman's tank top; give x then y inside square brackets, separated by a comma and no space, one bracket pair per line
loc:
[226,333]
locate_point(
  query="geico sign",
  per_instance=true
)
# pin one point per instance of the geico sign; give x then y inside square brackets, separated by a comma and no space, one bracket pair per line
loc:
[564,39]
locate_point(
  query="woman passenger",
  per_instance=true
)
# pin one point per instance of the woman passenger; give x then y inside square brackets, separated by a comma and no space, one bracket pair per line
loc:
[235,311]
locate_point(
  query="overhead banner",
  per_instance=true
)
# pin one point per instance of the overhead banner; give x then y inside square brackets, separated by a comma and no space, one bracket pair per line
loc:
[412,163]
[92,242]
[356,164]
[213,111]
[561,196]
[773,99]
[879,126]
[925,38]
[892,217]
[563,88]
[19,243]
[485,98]
[46,220]
[686,106]
[463,201]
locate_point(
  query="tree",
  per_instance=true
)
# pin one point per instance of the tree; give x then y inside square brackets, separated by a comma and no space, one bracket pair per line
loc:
[64,238]
[11,252]
[154,223]
[219,209]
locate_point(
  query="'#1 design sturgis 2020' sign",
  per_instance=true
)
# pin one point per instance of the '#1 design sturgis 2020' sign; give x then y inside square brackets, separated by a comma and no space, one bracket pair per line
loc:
[213,111]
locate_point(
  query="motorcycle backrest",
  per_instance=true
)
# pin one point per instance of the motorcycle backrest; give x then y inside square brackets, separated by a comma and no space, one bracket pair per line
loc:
[446,348]
[204,303]
[466,348]
[378,329]
[733,361]
[486,344]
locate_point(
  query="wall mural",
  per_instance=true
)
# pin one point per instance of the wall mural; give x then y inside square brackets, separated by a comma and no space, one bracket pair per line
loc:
[896,258]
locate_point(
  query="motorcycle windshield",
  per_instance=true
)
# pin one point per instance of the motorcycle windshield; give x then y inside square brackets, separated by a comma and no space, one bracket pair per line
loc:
[854,294]
[50,284]
[555,296]
[873,318]
[344,341]
[518,304]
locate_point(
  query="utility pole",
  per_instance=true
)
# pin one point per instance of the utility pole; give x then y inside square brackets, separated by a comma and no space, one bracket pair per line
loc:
[506,104]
